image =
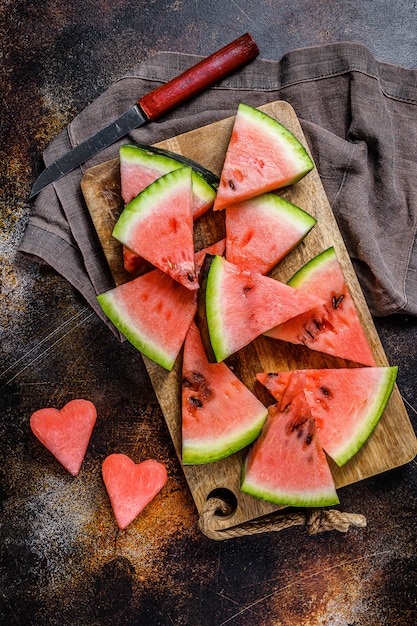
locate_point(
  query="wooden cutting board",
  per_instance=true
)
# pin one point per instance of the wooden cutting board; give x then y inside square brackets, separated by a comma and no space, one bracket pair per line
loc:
[393,442]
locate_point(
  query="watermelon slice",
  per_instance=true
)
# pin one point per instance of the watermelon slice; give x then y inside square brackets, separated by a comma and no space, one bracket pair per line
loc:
[220,415]
[158,226]
[346,403]
[261,231]
[139,167]
[333,327]
[286,464]
[262,155]
[154,311]
[240,305]
[66,432]
[131,486]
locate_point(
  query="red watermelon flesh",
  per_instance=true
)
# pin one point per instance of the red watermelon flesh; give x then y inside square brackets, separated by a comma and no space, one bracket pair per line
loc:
[135,264]
[158,226]
[135,179]
[66,432]
[241,305]
[217,248]
[262,155]
[131,486]
[286,464]
[220,415]
[261,231]
[140,167]
[333,327]
[346,403]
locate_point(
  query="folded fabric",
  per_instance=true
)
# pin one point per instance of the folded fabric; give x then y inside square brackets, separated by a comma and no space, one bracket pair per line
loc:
[359,117]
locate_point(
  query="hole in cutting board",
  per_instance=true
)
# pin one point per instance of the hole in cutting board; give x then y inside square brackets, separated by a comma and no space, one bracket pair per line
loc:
[228,497]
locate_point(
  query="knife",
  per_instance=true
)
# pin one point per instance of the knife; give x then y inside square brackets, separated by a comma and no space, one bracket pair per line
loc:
[153,105]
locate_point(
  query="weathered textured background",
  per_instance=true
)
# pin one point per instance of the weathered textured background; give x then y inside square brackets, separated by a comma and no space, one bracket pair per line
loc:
[62,559]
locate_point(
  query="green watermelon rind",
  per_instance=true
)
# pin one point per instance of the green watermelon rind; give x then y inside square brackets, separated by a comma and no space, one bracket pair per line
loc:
[290,212]
[120,318]
[315,264]
[134,155]
[214,308]
[201,189]
[325,497]
[291,145]
[375,411]
[215,450]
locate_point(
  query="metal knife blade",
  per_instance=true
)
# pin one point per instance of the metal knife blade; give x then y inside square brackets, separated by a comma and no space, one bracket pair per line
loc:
[132,118]
[153,105]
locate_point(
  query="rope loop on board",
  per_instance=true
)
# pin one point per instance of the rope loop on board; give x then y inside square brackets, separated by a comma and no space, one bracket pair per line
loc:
[315,520]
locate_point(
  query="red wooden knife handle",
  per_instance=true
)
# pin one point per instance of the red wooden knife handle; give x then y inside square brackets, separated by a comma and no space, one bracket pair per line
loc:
[199,77]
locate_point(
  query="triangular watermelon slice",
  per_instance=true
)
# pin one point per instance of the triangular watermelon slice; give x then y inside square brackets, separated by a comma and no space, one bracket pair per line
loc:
[261,231]
[346,403]
[333,327]
[240,305]
[262,155]
[158,226]
[286,464]
[220,415]
[154,311]
[139,167]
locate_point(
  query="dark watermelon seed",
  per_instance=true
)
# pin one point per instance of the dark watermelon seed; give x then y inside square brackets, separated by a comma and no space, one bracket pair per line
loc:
[197,382]
[326,392]
[298,426]
[337,301]
[231,184]
[313,328]
[196,402]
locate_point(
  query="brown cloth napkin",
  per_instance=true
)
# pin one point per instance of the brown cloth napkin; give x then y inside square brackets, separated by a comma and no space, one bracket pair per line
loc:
[359,117]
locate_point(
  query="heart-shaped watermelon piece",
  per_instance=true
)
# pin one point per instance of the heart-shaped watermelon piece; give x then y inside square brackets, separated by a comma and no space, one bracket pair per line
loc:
[131,486]
[66,432]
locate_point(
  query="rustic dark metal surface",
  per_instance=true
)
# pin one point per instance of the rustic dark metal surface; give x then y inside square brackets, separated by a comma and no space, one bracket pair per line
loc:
[62,559]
